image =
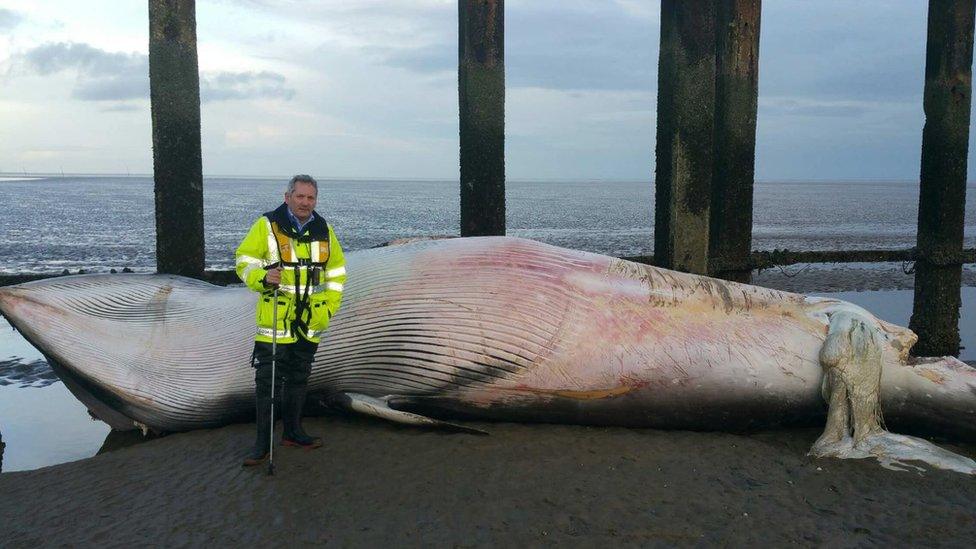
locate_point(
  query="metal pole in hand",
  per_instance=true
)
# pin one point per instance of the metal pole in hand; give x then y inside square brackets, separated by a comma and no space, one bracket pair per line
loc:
[274,357]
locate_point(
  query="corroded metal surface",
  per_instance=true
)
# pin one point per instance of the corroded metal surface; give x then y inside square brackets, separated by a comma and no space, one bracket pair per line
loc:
[174,89]
[942,201]
[685,135]
[481,100]
[736,102]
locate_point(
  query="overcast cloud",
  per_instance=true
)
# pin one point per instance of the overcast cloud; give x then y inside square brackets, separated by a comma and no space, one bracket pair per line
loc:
[119,76]
[549,46]
[92,62]
[101,75]
[368,88]
[224,86]
[8,19]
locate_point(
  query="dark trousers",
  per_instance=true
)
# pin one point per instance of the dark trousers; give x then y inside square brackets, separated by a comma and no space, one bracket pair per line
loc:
[293,364]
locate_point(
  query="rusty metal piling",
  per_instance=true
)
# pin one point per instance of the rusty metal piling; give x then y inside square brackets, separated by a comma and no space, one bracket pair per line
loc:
[174,89]
[685,135]
[736,101]
[942,195]
[481,98]
[708,77]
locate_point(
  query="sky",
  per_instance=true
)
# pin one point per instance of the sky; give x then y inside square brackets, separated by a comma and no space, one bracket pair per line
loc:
[368,88]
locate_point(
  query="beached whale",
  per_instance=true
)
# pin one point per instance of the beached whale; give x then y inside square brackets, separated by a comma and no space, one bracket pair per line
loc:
[511,329]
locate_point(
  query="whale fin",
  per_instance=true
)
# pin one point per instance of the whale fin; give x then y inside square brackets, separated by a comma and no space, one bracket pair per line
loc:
[380,408]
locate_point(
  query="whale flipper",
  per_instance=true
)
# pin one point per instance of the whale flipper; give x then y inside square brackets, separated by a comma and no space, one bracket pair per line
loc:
[378,407]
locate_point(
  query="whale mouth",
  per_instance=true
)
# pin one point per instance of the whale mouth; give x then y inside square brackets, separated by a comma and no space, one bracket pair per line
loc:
[13,309]
[46,326]
[27,312]
[23,311]
[134,348]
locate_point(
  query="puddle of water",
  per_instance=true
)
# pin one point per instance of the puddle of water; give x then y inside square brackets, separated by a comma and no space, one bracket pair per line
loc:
[44,426]
[895,306]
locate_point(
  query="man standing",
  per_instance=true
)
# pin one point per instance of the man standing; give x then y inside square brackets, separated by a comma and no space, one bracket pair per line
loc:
[293,249]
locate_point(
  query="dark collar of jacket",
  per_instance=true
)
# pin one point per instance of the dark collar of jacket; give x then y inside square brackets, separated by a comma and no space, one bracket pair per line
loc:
[316,229]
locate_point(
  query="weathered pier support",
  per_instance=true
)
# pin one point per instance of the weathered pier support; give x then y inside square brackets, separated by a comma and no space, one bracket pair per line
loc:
[736,102]
[706,131]
[481,95]
[685,135]
[942,200]
[174,89]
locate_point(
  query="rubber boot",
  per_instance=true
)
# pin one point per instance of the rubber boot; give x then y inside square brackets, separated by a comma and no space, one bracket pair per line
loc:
[293,400]
[262,423]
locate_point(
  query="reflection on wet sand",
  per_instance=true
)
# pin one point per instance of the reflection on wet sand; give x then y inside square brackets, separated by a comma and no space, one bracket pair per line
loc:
[116,440]
[24,372]
[27,373]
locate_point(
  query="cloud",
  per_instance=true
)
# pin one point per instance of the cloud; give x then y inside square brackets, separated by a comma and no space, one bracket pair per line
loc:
[552,44]
[90,61]
[119,76]
[832,50]
[427,59]
[121,107]
[101,75]
[556,45]
[120,88]
[841,50]
[9,19]
[815,109]
[581,47]
[225,86]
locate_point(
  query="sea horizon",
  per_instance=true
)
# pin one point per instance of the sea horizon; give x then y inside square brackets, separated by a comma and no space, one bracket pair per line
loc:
[21,176]
[107,222]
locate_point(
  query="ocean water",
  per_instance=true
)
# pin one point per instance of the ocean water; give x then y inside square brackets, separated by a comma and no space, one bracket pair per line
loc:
[99,223]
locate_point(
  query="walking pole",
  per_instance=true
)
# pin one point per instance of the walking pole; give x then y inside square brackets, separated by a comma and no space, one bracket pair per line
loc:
[274,357]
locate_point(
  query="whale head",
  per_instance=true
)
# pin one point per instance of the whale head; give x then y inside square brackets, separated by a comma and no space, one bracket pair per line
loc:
[131,346]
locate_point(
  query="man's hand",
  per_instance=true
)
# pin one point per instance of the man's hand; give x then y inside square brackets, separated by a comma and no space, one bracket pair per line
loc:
[273,277]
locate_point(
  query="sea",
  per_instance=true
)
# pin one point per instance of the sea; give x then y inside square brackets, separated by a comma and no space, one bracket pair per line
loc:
[50,224]
[99,223]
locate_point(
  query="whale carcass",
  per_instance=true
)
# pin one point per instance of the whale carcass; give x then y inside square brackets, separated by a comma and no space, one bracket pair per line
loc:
[511,329]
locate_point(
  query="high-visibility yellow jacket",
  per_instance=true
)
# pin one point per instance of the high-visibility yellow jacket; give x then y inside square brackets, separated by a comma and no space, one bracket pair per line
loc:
[314,272]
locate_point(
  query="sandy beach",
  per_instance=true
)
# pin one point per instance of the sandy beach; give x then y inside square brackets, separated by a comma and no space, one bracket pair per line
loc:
[375,484]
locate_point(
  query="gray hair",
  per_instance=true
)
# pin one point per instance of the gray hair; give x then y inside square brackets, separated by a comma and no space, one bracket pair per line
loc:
[302,178]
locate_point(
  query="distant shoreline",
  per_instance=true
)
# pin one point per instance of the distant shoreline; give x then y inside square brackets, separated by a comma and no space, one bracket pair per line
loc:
[24,176]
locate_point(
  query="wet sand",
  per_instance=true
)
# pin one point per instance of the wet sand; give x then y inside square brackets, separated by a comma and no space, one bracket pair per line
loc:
[845,277]
[376,483]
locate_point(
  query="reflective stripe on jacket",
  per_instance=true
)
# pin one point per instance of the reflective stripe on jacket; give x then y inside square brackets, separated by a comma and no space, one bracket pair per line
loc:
[312,269]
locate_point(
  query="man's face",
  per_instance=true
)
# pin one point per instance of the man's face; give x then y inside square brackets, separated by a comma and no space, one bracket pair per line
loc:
[301,201]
